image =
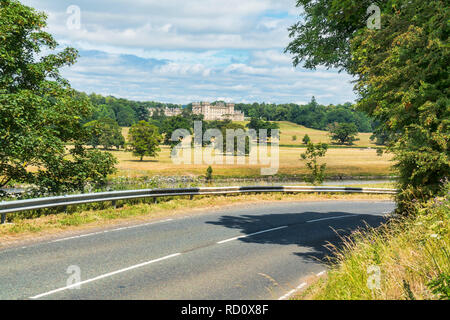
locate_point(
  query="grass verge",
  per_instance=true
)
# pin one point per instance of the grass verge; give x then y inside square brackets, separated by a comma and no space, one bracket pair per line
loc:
[412,255]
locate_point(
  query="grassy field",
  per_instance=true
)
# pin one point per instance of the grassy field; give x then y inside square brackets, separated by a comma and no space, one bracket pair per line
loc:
[340,161]
[289,129]
[345,162]
[412,254]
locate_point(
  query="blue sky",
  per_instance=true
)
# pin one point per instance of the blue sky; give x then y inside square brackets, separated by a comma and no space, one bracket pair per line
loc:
[181,51]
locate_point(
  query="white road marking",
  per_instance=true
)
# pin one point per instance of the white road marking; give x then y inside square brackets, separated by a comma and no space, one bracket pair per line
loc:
[290,293]
[252,234]
[105,276]
[332,218]
[77,237]
[112,230]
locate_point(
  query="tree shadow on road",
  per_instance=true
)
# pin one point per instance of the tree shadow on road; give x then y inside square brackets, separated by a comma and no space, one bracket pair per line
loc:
[313,238]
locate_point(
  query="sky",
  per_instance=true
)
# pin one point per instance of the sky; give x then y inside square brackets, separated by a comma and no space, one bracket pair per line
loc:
[179,51]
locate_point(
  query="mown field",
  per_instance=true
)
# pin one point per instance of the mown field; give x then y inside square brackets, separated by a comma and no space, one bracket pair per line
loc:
[289,130]
[340,161]
[346,162]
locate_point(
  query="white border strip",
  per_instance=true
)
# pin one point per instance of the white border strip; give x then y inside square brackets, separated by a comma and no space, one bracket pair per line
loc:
[290,293]
[112,230]
[332,218]
[105,276]
[252,234]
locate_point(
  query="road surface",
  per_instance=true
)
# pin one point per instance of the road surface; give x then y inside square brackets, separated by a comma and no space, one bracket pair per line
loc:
[253,252]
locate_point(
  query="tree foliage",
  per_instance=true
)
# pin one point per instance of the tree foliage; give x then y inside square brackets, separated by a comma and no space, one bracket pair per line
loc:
[259,124]
[240,135]
[312,154]
[125,112]
[209,174]
[401,75]
[403,81]
[343,133]
[306,139]
[105,132]
[170,124]
[311,115]
[321,37]
[39,113]
[144,140]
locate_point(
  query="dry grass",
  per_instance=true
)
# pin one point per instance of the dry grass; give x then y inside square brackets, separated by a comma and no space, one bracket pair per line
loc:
[410,253]
[342,161]
[346,162]
[289,129]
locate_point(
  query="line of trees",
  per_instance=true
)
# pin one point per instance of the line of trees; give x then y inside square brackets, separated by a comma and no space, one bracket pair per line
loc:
[125,112]
[146,136]
[311,115]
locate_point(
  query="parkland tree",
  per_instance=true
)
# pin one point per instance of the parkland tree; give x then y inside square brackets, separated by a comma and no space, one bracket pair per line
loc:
[144,140]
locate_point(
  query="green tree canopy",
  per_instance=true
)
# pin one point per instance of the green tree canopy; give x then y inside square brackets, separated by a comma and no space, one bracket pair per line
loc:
[343,133]
[402,77]
[312,155]
[322,36]
[105,132]
[258,124]
[306,139]
[144,139]
[39,113]
[171,124]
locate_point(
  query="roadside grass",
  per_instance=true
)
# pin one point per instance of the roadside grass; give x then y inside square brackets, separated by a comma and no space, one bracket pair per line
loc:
[413,255]
[101,215]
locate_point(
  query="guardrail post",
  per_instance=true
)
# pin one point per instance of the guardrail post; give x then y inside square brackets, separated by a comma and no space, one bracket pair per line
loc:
[114,204]
[3,218]
[191,197]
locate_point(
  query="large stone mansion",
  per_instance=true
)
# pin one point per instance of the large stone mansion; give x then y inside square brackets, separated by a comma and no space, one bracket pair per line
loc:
[220,111]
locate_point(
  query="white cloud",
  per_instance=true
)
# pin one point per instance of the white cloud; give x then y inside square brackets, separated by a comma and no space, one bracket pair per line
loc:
[182,51]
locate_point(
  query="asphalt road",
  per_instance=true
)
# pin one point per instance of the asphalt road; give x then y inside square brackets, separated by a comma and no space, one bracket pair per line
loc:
[254,252]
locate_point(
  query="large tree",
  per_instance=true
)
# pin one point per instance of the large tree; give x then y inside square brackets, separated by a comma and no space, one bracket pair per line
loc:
[401,73]
[343,133]
[39,113]
[105,132]
[171,124]
[144,139]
